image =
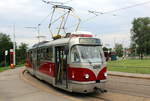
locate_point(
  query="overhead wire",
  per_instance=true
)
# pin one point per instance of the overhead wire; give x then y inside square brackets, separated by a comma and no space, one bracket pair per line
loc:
[119,9]
[101,13]
[127,7]
[45,18]
[111,11]
[68,1]
[54,3]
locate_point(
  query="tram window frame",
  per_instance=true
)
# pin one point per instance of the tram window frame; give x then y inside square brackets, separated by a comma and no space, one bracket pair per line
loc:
[73,57]
[30,55]
[27,55]
[34,54]
[44,54]
[49,53]
[37,53]
[41,53]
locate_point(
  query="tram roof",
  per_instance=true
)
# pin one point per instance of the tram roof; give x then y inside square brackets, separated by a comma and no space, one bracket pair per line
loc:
[57,42]
[53,42]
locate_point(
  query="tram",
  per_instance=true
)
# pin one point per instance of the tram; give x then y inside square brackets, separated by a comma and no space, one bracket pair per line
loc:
[75,63]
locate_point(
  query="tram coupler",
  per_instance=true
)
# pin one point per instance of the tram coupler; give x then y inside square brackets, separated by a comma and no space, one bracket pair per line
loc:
[99,90]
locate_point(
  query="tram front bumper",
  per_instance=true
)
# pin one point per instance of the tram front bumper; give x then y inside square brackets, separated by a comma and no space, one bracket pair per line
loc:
[86,87]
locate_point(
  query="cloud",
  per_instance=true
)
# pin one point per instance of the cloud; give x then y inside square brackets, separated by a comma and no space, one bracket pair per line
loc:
[109,40]
[26,13]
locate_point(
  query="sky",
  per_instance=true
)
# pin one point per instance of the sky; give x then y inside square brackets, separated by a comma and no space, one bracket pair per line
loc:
[109,28]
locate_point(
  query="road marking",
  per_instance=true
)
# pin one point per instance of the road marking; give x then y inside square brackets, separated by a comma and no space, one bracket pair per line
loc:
[45,89]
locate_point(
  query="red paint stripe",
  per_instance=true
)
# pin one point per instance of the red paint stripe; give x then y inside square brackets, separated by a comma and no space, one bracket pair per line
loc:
[47,68]
[101,74]
[28,63]
[78,74]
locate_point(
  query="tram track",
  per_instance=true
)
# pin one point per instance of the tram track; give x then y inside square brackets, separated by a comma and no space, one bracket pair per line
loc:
[27,79]
[100,98]
[126,85]
[33,88]
[113,91]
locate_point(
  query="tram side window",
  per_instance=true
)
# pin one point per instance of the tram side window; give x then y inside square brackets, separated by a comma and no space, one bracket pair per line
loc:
[49,54]
[38,54]
[30,55]
[42,53]
[45,55]
[74,55]
[27,55]
[34,54]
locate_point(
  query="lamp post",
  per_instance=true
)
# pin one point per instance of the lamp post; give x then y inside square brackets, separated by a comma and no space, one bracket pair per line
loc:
[38,29]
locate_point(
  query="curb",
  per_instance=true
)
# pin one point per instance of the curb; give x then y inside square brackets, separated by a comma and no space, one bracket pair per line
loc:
[129,76]
[42,88]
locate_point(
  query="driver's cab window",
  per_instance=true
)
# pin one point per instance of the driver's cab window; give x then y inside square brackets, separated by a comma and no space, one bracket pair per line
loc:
[75,55]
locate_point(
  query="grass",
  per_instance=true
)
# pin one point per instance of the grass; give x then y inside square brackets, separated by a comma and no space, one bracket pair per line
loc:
[8,67]
[4,68]
[130,66]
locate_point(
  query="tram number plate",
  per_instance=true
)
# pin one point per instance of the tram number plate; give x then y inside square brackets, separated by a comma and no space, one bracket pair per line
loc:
[96,66]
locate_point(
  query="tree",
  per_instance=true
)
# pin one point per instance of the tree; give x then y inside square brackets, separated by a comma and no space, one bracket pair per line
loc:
[140,35]
[105,49]
[5,44]
[119,50]
[21,53]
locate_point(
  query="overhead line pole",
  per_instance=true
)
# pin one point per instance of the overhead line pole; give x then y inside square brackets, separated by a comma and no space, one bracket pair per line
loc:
[38,29]
[14,46]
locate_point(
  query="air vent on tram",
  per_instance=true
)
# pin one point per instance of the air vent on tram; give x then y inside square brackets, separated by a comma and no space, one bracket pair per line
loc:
[96,66]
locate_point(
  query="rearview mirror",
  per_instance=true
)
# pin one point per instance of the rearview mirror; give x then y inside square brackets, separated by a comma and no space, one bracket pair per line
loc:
[66,50]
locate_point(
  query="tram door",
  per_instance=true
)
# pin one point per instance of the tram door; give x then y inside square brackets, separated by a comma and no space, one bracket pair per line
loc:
[34,62]
[61,66]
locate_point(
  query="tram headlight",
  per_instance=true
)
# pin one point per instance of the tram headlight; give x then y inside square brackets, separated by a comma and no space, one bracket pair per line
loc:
[86,76]
[73,76]
[105,74]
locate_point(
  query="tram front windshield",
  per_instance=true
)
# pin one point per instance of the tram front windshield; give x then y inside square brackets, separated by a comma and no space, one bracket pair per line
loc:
[90,54]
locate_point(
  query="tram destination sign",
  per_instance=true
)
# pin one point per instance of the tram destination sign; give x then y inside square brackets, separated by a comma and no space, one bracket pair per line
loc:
[89,41]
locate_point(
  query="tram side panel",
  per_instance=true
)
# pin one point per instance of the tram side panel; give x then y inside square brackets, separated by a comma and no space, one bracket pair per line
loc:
[46,66]
[28,64]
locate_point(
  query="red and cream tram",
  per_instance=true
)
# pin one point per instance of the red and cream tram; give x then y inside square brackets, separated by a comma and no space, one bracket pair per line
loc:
[75,63]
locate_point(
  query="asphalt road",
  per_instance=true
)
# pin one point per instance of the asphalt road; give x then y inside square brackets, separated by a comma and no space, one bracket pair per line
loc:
[17,87]
[127,85]
[13,88]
